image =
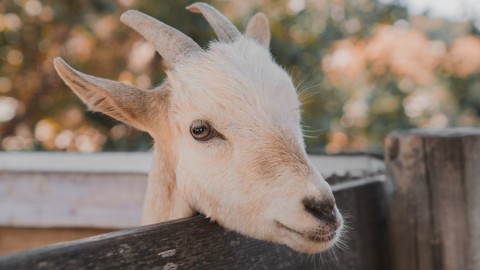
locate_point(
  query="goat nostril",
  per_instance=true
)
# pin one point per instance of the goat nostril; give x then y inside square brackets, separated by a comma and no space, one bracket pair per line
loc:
[322,210]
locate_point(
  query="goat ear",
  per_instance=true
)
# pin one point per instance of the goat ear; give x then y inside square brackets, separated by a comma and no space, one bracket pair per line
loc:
[258,29]
[115,99]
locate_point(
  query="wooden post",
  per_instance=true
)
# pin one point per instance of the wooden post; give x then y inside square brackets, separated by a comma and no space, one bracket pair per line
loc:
[433,199]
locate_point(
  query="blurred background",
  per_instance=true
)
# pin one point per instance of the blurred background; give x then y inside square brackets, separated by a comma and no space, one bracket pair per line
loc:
[364,67]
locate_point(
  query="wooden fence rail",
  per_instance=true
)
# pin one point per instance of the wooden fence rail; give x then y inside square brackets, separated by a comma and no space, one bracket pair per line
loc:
[425,216]
[196,243]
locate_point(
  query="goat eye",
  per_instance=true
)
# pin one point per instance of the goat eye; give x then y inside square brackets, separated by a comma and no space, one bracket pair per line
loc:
[202,131]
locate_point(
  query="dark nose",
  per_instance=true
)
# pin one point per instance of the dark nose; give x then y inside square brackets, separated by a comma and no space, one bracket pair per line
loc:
[323,210]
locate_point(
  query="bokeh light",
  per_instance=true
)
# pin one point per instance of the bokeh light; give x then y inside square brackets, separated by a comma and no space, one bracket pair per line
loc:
[364,67]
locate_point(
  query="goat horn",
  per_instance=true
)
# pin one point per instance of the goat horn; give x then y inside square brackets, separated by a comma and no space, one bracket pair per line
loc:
[224,29]
[170,43]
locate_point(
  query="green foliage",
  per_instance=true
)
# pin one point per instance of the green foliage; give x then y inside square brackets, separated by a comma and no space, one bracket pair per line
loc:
[358,85]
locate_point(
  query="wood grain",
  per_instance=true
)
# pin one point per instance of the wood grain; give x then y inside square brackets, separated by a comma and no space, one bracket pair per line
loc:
[196,243]
[18,239]
[433,200]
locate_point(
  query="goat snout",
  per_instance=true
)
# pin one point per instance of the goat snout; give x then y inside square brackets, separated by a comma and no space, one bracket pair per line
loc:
[323,210]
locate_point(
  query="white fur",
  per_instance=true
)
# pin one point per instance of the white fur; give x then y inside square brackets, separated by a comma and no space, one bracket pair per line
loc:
[253,181]
[249,99]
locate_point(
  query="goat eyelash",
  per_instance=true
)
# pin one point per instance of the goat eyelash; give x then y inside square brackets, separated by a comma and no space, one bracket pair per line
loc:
[211,135]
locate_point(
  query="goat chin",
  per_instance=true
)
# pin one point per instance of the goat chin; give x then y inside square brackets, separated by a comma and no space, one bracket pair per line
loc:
[312,244]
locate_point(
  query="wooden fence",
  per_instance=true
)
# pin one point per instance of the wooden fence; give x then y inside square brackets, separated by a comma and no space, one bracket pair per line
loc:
[426,215]
[433,199]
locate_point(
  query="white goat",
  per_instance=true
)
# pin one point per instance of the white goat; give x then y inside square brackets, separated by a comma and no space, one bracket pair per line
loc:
[226,126]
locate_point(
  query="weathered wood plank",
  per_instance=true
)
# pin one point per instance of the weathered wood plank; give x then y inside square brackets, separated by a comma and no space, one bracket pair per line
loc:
[70,199]
[471,162]
[363,207]
[18,239]
[196,243]
[408,212]
[432,198]
[74,190]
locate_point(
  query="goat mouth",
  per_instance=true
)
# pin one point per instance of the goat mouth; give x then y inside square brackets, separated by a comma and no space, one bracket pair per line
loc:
[317,238]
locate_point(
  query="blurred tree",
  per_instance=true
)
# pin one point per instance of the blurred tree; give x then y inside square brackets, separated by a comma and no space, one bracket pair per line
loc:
[363,68]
